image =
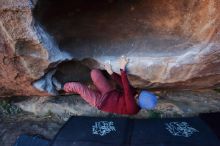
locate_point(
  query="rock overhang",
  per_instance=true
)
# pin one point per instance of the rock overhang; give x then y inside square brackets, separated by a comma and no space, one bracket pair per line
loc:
[170,43]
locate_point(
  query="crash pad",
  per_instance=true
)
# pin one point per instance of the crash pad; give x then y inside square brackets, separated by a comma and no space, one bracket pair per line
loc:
[28,140]
[213,120]
[99,131]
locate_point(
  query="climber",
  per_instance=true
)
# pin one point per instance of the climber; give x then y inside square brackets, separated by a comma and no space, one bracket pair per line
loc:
[107,98]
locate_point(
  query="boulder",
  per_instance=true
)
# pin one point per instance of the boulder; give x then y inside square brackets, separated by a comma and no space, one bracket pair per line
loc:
[170,44]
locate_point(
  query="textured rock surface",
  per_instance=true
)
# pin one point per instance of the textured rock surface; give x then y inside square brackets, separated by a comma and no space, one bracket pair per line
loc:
[23,54]
[171,104]
[18,45]
[170,43]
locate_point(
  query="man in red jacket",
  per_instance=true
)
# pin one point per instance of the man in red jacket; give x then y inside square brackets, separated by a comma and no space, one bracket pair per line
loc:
[109,99]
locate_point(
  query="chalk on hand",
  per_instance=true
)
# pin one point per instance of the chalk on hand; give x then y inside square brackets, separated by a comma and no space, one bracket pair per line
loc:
[108,62]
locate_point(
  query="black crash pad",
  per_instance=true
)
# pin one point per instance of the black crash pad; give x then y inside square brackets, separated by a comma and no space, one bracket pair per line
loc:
[91,131]
[27,140]
[83,131]
[213,120]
